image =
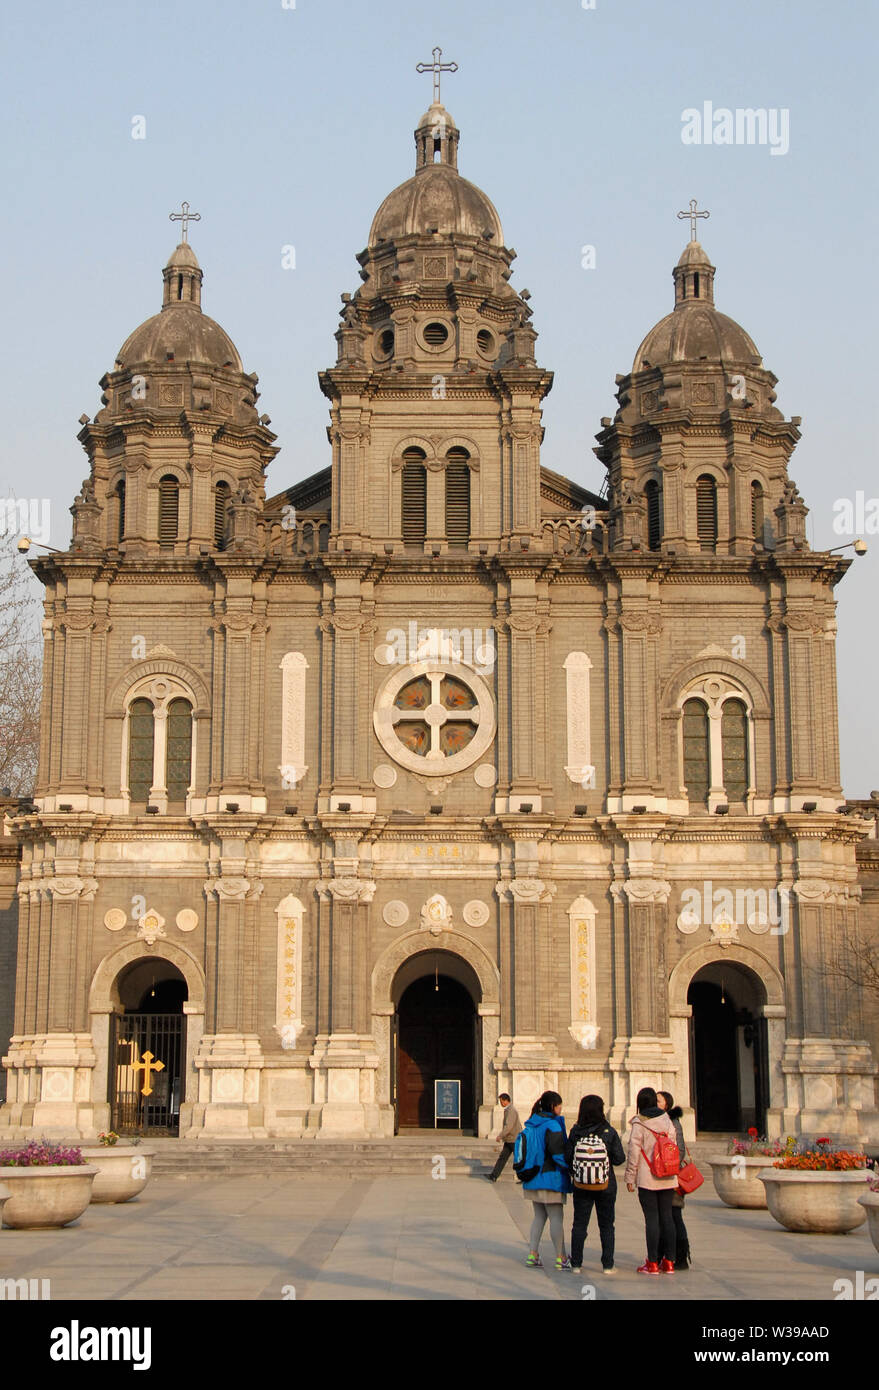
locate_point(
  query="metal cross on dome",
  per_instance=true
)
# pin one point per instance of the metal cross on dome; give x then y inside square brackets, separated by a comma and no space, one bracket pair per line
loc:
[436,67]
[693,214]
[184,216]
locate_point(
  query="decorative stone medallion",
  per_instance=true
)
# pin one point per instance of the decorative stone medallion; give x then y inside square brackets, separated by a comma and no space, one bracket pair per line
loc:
[384,775]
[688,921]
[115,919]
[395,913]
[436,915]
[485,775]
[187,920]
[476,913]
[723,929]
[151,926]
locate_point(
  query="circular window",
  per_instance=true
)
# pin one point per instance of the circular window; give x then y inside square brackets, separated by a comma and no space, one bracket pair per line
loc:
[436,334]
[384,343]
[485,342]
[434,717]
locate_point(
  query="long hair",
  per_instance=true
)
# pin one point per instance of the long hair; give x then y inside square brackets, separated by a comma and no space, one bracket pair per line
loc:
[646,1099]
[591,1112]
[668,1098]
[547,1101]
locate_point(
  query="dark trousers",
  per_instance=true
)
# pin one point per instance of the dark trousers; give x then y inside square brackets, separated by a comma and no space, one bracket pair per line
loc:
[657,1208]
[604,1204]
[502,1158]
[682,1240]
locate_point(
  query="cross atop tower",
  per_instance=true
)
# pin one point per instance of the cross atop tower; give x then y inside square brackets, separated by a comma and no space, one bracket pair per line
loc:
[184,216]
[436,67]
[693,214]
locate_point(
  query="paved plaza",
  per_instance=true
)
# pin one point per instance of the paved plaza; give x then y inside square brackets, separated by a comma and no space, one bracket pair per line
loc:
[319,1237]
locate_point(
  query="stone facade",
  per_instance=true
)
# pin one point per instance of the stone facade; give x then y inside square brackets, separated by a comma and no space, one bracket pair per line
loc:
[439,709]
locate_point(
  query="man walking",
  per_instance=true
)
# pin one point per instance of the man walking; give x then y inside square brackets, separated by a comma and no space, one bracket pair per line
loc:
[507,1137]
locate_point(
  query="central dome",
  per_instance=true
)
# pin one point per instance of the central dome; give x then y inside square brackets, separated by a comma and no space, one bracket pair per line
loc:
[180,331]
[695,331]
[436,198]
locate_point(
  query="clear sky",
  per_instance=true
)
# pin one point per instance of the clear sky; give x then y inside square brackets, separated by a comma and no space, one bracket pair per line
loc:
[287,126]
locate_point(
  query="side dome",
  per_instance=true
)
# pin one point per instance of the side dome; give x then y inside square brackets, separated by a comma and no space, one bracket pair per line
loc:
[436,197]
[695,331]
[180,331]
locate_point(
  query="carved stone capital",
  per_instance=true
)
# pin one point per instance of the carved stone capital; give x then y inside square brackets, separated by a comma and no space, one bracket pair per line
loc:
[642,890]
[525,890]
[228,888]
[349,889]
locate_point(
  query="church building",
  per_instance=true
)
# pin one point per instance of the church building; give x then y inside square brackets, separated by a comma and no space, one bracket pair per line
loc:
[437,766]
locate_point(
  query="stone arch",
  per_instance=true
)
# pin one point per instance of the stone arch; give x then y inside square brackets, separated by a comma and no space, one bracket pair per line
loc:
[715,664]
[158,666]
[100,997]
[416,942]
[168,470]
[689,965]
[461,441]
[413,441]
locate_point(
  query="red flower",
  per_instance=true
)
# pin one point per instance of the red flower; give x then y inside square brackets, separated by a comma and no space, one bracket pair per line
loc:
[825,1140]
[752,1134]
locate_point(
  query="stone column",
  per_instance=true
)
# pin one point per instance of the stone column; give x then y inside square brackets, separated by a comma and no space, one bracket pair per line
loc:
[525,1056]
[345,1060]
[230,1059]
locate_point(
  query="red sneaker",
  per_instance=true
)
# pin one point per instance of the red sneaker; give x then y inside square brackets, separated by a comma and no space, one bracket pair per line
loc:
[666,1267]
[648,1267]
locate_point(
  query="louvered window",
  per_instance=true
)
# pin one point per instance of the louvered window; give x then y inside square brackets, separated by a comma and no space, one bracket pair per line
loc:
[706,512]
[120,508]
[222,495]
[457,498]
[696,751]
[654,524]
[169,506]
[179,755]
[414,497]
[757,512]
[140,749]
[734,742]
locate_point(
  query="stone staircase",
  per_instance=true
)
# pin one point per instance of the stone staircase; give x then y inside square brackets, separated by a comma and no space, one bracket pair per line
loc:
[464,1157]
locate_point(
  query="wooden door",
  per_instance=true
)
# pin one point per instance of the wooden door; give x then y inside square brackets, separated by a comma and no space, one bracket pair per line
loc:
[435,1043]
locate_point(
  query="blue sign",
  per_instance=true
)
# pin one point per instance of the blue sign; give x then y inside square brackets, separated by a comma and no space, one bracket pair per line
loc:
[447,1100]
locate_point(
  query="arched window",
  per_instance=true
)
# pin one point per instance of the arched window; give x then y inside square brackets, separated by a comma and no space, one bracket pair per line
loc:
[414,497]
[706,512]
[222,499]
[457,498]
[169,506]
[734,745]
[179,749]
[120,509]
[696,751]
[140,749]
[757,512]
[654,523]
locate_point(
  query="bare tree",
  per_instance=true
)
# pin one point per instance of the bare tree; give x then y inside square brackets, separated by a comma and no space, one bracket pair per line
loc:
[20,671]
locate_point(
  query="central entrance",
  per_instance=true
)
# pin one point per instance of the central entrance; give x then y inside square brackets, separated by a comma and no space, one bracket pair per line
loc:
[436,1038]
[729,1076]
[147,1049]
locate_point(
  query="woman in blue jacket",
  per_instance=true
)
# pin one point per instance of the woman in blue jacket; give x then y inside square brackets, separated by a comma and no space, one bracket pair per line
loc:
[547,1191]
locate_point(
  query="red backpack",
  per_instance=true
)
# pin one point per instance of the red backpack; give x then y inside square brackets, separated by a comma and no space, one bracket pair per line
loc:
[665,1161]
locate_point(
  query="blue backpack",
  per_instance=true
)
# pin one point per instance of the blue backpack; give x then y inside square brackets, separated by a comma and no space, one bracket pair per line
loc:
[529,1152]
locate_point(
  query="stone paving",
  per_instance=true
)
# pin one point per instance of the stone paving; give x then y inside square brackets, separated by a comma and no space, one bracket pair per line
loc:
[413,1238]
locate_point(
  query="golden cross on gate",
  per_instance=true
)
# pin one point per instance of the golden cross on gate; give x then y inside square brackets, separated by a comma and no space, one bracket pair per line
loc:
[147,1065]
[436,67]
[693,214]
[184,216]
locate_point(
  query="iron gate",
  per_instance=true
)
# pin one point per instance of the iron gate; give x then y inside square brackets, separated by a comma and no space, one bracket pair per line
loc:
[146,1071]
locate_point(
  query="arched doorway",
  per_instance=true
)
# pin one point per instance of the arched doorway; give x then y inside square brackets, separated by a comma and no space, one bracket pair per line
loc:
[147,1048]
[435,1038]
[729,1053]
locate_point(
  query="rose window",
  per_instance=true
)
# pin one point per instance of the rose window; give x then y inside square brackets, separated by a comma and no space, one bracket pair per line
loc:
[434,717]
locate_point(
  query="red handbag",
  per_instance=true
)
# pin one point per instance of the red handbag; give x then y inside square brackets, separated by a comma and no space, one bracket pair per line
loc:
[689,1177]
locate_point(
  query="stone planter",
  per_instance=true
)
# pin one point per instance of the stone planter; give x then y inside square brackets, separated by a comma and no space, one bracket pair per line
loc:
[51,1196]
[821,1202]
[4,1194]
[870,1201]
[123,1170]
[744,1191]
